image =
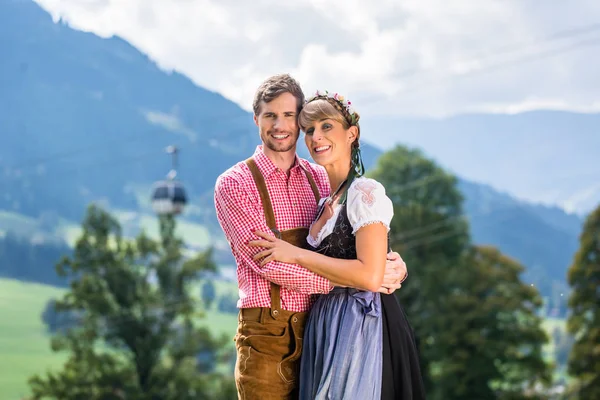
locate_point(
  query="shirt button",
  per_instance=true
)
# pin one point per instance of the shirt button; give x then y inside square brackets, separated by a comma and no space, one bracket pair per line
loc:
[275,312]
[295,319]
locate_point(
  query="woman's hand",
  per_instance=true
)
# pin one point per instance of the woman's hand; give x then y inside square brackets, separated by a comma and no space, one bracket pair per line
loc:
[276,249]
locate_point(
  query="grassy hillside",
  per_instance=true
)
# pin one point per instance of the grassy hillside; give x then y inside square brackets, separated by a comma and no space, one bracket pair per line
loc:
[195,234]
[25,345]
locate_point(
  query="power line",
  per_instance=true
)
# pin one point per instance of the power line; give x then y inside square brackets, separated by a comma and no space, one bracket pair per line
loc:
[416,183]
[494,67]
[416,85]
[72,152]
[125,139]
[529,57]
[560,35]
[511,48]
[105,165]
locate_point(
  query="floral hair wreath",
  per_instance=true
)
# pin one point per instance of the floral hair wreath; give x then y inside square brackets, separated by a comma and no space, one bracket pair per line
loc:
[339,102]
[344,106]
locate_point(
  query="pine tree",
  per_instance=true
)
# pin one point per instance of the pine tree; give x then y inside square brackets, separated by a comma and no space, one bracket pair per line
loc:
[430,233]
[475,321]
[584,320]
[137,338]
[497,337]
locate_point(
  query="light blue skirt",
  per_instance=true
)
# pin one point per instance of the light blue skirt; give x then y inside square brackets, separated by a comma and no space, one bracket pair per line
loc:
[342,347]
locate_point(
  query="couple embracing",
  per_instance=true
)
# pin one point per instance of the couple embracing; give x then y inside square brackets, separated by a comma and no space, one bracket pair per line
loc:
[318,316]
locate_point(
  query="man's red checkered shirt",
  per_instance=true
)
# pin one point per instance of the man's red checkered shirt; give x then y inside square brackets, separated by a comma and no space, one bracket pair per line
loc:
[240,211]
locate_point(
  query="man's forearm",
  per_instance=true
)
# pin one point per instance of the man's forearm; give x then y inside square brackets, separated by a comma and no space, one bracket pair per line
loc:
[295,277]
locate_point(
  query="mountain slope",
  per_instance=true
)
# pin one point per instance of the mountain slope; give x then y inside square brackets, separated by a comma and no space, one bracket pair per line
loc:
[541,156]
[544,239]
[67,90]
[86,119]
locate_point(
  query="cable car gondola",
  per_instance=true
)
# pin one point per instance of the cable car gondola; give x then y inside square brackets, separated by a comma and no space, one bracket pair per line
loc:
[169,196]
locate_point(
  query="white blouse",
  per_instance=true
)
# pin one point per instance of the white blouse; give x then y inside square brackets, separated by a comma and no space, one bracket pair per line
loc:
[367,204]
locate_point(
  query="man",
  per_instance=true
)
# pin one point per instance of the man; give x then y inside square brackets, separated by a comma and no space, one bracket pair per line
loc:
[278,191]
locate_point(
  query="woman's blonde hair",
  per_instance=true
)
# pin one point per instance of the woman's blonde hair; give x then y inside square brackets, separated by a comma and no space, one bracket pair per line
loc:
[320,109]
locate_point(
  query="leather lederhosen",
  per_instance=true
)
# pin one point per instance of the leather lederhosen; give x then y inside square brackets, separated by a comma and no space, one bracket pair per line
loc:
[269,340]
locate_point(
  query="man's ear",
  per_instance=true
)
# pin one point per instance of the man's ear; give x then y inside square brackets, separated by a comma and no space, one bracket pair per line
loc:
[255,119]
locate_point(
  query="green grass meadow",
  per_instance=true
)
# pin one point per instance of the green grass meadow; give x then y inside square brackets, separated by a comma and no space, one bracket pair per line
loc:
[25,345]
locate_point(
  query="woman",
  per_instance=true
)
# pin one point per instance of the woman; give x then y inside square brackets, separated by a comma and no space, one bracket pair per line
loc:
[358,344]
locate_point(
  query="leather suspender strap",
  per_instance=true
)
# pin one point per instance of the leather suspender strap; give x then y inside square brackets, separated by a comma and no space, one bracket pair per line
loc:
[270,218]
[313,185]
[264,193]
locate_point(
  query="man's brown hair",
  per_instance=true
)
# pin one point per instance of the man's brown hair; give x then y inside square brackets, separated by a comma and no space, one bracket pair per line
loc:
[273,87]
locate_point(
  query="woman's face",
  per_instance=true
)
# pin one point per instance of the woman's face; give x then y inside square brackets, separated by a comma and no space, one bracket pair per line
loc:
[328,141]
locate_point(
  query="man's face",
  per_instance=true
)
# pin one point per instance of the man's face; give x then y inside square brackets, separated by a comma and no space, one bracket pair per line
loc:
[278,123]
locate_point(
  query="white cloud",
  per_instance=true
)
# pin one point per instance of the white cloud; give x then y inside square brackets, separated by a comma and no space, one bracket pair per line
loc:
[415,57]
[582,201]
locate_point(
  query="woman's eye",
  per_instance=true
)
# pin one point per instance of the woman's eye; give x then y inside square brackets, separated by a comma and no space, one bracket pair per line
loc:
[326,126]
[310,131]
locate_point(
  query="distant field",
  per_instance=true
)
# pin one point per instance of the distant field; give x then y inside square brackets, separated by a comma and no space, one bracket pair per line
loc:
[193,234]
[220,323]
[25,346]
[196,236]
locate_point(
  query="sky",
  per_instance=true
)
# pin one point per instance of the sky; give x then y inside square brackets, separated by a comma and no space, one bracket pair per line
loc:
[402,58]
[432,58]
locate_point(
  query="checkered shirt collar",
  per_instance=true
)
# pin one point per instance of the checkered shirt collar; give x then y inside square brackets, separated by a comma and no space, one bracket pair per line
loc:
[265,164]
